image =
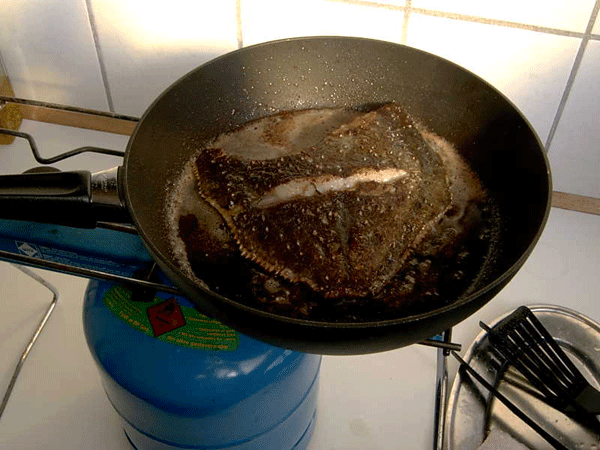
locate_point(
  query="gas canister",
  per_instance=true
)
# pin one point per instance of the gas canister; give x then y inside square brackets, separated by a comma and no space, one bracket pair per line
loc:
[180,380]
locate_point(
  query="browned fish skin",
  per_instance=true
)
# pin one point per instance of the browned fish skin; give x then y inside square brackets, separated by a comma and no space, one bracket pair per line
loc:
[342,231]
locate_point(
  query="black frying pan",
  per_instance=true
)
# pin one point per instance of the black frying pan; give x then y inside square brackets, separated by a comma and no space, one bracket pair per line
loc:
[340,72]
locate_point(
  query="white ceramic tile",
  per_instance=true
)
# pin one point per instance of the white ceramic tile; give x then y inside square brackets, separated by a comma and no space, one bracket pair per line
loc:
[575,150]
[530,68]
[265,20]
[149,45]
[596,29]
[394,404]
[49,52]
[572,15]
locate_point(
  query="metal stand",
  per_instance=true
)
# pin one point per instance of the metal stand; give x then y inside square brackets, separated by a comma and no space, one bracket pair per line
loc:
[35,336]
[441,393]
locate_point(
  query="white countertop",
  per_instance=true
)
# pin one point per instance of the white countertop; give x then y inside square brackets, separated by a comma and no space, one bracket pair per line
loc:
[380,401]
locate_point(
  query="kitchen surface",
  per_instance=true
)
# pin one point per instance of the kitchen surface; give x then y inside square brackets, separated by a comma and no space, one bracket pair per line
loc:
[118,56]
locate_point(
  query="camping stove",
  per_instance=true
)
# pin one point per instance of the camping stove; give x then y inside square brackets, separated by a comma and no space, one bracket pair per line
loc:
[176,378]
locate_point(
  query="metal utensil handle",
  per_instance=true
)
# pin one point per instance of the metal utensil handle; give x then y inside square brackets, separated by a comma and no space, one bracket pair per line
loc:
[510,405]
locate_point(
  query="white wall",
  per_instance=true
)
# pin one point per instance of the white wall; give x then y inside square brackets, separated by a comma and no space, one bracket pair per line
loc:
[120,54]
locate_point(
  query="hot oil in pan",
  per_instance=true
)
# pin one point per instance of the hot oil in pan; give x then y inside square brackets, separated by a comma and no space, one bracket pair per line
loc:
[441,268]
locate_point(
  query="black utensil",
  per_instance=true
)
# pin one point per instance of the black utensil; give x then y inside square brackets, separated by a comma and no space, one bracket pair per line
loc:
[522,341]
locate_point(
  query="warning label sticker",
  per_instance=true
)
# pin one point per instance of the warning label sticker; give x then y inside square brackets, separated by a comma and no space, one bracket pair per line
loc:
[165,317]
[171,322]
[79,258]
[28,249]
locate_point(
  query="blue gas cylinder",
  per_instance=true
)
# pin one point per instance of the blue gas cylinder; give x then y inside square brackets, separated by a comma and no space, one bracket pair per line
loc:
[180,380]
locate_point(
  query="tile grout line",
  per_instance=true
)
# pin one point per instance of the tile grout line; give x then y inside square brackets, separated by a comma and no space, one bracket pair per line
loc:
[468,18]
[238,23]
[571,80]
[407,10]
[103,72]
[497,22]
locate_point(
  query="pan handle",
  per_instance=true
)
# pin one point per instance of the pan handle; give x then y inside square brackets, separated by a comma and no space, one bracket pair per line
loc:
[77,199]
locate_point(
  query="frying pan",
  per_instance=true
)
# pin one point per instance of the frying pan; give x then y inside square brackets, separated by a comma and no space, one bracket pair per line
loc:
[324,72]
